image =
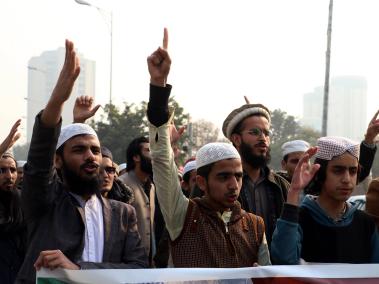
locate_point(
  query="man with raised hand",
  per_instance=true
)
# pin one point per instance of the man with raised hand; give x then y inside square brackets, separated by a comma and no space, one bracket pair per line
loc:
[326,227]
[212,231]
[12,226]
[70,225]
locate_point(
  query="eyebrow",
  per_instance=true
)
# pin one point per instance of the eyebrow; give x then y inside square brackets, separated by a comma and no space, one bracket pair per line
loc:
[229,173]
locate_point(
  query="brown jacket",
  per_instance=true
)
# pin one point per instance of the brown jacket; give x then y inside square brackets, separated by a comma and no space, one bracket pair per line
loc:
[145,207]
[205,241]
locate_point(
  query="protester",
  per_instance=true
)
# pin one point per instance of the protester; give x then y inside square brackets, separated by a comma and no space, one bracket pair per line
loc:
[12,226]
[112,187]
[138,178]
[20,173]
[372,200]
[189,178]
[325,228]
[122,169]
[263,191]
[70,226]
[291,153]
[212,231]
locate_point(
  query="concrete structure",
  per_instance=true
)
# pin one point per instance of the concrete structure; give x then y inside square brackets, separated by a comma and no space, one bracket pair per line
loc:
[43,72]
[347,115]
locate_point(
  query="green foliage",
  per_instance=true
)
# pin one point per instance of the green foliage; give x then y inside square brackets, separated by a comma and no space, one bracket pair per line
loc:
[286,128]
[117,128]
[20,152]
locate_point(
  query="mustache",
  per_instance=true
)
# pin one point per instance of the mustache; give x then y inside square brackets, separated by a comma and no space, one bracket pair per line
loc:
[261,144]
[89,164]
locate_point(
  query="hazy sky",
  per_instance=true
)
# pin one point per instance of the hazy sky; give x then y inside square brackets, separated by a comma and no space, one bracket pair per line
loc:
[272,51]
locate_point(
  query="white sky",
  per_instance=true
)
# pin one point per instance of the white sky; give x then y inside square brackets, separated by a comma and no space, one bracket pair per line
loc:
[272,51]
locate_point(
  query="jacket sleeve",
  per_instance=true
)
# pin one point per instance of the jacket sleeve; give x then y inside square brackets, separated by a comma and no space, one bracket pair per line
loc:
[366,159]
[38,193]
[134,254]
[287,237]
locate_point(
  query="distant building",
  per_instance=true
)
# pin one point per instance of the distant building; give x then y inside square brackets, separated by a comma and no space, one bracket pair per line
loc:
[43,72]
[312,109]
[347,115]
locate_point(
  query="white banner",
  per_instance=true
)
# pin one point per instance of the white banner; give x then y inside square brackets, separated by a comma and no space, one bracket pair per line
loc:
[325,273]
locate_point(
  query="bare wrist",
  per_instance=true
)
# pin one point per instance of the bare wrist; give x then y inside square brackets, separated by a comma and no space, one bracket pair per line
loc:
[159,82]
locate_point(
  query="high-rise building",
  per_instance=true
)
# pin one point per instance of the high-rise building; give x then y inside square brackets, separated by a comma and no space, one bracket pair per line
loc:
[43,72]
[347,112]
[312,109]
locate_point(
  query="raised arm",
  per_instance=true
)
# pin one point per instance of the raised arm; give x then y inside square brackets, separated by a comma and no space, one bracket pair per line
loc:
[172,202]
[287,237]
[12,137]
[368,148]
[84,109]
[37,193]
[51,115]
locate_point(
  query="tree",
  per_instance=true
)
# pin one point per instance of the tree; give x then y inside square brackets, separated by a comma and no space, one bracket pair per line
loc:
[286,128]
[203,132]
[117,128]
[21,151]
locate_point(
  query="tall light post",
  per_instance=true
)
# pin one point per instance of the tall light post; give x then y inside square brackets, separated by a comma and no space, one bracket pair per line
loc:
[324,129]
[110,13]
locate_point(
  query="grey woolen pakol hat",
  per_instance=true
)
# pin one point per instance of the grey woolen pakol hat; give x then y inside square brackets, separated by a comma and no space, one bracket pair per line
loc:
[214,152]
[71,130]
[239,114]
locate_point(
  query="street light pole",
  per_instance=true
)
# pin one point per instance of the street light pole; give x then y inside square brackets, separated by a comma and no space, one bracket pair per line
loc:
[324,129]
[110,13]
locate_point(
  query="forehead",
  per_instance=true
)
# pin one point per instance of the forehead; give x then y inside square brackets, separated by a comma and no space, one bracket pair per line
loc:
[7,162]
[145,146]
[255,121]
[295,155]
[106,161]
[344,160]
[82,140]
[229,165]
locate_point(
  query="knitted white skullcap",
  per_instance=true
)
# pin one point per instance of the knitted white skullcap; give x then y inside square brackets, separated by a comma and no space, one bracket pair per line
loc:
[72,130]
[240,114]
[330,147]
[20,163]
[294,146]
[214,152]
[191,165]
[121,167]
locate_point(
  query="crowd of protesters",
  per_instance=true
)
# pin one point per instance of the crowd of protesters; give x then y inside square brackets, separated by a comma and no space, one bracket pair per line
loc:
[70,206]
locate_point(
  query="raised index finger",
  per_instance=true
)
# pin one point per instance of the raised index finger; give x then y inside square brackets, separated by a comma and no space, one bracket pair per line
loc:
[165,39]
[375,116]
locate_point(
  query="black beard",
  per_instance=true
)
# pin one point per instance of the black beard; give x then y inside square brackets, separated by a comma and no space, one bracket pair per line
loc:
[146,165]
[255,161]
[79,185]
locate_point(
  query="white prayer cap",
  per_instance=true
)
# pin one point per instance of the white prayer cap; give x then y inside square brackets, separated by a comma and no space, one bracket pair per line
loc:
[214,152]
[72,130]
[330,147]
[294,146]
[191,165]
[20,163]
[121,167]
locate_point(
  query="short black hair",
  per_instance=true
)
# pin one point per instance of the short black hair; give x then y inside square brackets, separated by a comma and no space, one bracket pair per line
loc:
[134,149]
[205,170]
[314,187]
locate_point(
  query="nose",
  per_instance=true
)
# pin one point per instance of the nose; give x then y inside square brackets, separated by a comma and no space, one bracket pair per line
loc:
[89,156]
[346,178]
[233,183]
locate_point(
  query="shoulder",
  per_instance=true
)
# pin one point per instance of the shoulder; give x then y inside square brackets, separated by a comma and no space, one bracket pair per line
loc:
[278,180]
